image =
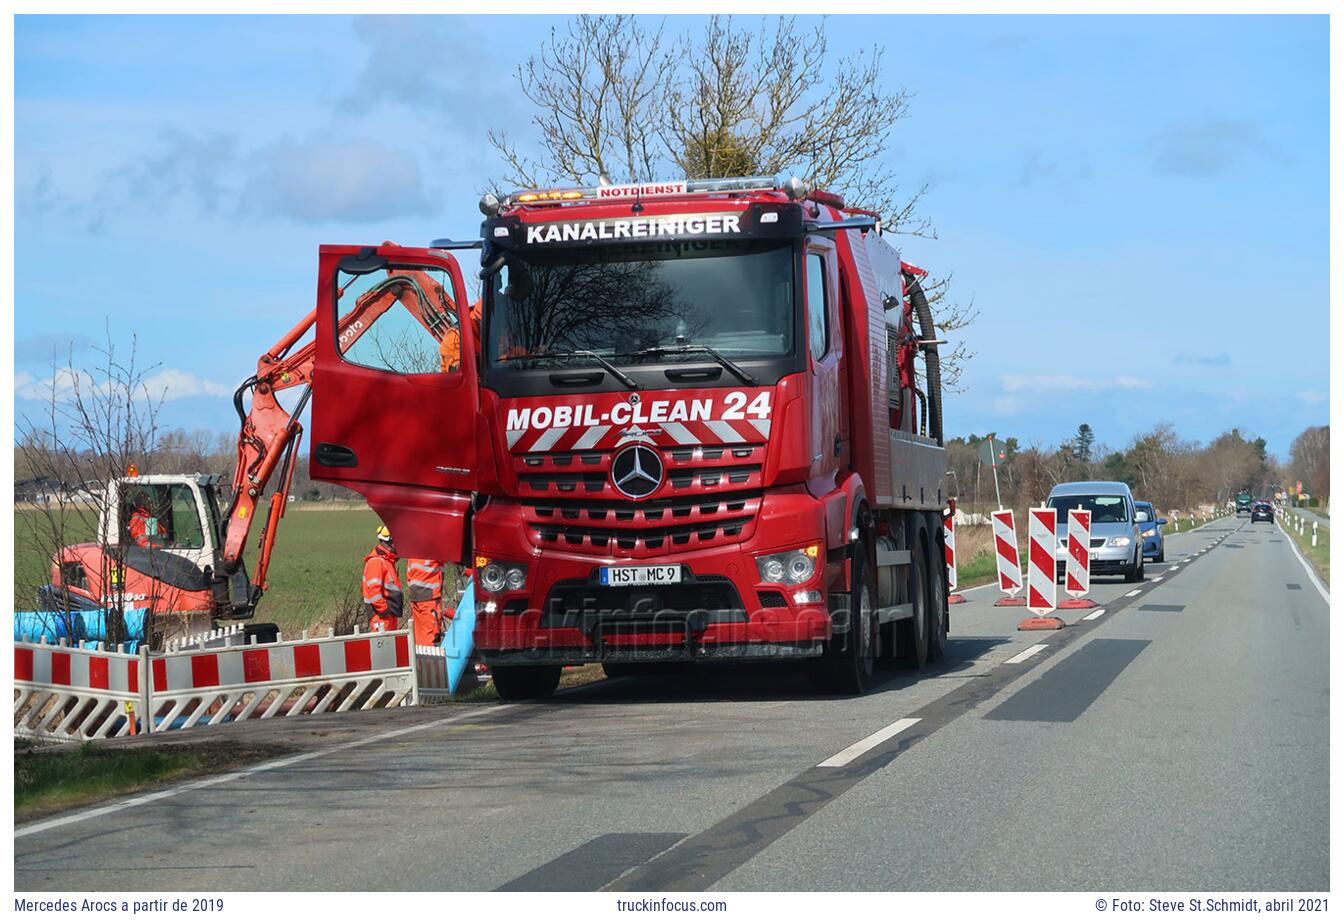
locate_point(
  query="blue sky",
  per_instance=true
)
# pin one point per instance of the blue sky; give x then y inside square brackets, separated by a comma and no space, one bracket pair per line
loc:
[1137,205]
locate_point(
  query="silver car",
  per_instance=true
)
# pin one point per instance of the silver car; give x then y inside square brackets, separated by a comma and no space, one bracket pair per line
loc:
[1117,546]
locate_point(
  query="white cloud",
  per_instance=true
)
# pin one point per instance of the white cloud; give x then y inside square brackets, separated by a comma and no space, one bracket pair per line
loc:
[174,384]
[1311,397]
[1021,383]
[166,384]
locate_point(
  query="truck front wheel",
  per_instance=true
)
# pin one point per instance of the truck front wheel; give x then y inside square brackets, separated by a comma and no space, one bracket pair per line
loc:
[847,666]
[525,682]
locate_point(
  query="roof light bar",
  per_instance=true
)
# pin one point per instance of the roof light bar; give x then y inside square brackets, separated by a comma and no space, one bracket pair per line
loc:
[643,190]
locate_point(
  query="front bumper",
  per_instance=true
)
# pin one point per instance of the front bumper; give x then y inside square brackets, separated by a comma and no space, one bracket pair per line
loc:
[1152,547]
[720,610]
[1105,560]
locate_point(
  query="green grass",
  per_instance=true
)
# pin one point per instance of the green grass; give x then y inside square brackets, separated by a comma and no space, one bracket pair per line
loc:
[318,560]
[1318,555]
[47,780]
[981,570]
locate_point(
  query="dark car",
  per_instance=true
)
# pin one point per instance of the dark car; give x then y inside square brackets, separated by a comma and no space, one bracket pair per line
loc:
[1154,543]
[1262,511]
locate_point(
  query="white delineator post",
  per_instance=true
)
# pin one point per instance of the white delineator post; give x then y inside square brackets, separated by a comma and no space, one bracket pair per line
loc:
[1078,561]
[950,550]
[1041,546]
[1005,556]
[1314,525]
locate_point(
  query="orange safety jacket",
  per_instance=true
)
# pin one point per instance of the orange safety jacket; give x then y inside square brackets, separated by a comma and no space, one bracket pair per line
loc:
[424,579]
[143,526]
[382,587]
[450,346]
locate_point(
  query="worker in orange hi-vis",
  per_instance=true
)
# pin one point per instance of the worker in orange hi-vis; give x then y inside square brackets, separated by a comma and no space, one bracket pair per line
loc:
[450,346]
[143,525]
[424,589]
[382,587]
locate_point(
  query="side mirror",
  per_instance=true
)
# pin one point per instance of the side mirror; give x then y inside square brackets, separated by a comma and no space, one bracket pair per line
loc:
[1161,521]
[1141,517]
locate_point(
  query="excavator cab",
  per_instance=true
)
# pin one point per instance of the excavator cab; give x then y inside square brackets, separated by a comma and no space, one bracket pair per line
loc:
[395,401]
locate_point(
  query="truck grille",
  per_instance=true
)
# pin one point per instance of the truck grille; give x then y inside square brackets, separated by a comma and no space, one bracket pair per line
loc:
[646,528]
[588,473]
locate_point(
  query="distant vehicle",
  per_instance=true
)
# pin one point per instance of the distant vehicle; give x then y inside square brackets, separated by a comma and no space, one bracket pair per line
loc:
[1154,543]
[1243,502]
[1117,547]
[1262,511]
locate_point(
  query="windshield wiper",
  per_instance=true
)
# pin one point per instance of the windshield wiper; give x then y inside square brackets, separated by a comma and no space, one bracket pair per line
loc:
[615,371]
[714,353]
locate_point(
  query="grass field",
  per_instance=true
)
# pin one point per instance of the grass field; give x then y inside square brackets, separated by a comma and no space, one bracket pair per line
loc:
[1318,555]
[318,560]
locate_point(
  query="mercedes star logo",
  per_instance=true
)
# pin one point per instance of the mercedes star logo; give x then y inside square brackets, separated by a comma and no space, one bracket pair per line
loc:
[637,471]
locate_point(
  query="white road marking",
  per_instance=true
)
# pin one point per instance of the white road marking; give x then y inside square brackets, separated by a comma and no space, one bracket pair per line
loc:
[1025,654]
[1133,593]
[1159,578]
[1306,567]
[867,744]
[247,771]
[1095,613]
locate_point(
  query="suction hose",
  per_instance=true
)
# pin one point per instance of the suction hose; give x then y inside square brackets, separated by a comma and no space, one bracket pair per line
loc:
[932,374]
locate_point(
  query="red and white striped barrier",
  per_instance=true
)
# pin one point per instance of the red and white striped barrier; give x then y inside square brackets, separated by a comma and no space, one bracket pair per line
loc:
[1042,546]
[1078,561]
[950,551]
[302,677]
[75,694]
[1006,557]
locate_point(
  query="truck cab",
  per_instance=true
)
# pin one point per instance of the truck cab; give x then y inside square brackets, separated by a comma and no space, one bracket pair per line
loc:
[684,423]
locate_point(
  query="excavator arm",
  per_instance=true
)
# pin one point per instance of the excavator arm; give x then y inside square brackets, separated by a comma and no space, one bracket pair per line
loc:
[269,435]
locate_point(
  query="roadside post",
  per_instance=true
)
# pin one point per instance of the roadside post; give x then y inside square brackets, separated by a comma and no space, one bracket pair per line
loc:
[1314,525]
[1078,562]
[1042,543]
[950,551]
[1006,559]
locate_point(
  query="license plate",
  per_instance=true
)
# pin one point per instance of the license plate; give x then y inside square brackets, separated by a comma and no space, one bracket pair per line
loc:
[1094,557]
[618,575]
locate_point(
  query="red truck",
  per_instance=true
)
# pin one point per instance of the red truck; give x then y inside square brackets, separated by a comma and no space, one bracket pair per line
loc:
[703,423]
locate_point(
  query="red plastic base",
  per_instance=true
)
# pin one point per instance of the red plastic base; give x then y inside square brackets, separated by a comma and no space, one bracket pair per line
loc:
[955,599]
[1011,602]
[1078,603]
[1041,623]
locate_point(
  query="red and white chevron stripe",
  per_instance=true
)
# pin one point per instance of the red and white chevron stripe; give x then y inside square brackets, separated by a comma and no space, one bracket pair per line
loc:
[1078,565]
[664,434]
[281,661]
[1005,553]
[950,550]
[1042,544]
[75,668]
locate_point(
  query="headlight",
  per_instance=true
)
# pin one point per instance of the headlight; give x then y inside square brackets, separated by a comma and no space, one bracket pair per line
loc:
[1150,533]
[791,568]
[1118,541]
[495,577]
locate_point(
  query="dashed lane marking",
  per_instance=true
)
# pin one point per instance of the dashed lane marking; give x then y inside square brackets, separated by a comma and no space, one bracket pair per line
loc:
[1134,593]
[1095,613]
[1025,654]
[867,744]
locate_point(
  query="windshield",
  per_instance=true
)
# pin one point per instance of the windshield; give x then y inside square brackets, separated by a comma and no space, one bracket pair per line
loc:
[1106,509]
[734,297]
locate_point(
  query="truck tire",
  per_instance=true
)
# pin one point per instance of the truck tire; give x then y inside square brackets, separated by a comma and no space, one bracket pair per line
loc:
[848,662]
[525,682]
[914,632]
[937,605]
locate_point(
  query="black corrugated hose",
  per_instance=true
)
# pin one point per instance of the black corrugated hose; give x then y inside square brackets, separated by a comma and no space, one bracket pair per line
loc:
[932,375]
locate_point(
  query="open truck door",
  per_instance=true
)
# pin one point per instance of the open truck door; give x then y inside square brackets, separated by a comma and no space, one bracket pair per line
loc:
[395,396]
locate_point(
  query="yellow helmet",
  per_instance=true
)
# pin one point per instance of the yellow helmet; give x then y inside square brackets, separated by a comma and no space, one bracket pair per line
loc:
[383,534]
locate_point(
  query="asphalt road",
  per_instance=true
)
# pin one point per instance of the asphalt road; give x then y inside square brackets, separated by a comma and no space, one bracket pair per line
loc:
[1177,741]
[1312,516]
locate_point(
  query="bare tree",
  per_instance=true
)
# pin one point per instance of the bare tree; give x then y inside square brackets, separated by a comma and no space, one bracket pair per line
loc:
[617,101]
[1309,461]
[95,423]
